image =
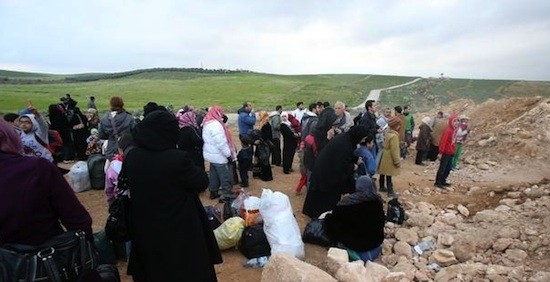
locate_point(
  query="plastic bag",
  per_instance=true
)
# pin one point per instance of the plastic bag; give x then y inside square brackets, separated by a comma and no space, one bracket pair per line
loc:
[80,178]
[229,233]
[315,233]
[253,243]
[395,212]
[251,211]
[280,226]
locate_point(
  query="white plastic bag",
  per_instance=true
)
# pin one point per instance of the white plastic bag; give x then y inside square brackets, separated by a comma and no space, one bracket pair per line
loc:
[229,233]
[280,226]
[80,179]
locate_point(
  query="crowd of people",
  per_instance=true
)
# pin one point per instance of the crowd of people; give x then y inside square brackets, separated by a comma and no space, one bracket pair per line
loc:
[339,159]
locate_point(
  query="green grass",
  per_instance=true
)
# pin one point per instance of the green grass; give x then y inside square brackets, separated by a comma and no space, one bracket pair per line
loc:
[199,89]
[429,93]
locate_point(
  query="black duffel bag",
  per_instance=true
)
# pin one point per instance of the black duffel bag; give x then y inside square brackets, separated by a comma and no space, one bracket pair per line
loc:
[117,226]
[65,257]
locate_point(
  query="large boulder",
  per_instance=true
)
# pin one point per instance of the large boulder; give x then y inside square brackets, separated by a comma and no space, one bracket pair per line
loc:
[444,257]
[406,235]
[420,219]
[283,267]
[402,249]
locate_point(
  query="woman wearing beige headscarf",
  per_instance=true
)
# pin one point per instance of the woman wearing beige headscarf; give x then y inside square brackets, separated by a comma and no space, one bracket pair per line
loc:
[390,161]
[424,140]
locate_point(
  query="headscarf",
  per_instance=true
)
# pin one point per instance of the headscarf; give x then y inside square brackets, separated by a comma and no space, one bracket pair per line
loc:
[285,120]
[264,118]
[10,142]
[364,191]
[357,133]
[215,113]
[295,123]
[428,121]
[187,119]
[158,131]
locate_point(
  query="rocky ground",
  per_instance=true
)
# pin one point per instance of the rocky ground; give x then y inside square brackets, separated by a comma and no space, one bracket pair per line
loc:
[493,224]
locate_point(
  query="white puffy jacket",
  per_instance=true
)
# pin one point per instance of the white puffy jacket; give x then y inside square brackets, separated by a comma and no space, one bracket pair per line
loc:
[216,148]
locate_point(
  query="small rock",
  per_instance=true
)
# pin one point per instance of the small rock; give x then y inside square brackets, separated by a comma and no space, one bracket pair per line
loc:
[491,163]
[516,255]
[514,195]
[351,272]
[502,244]
[444,257]
[483,166]
[401,248]
[394,277]
[508,232]
[406,235]
[336,258]
[463,210]
[541,276]
[445,239]
[420,219]
[375,271]
[464,250]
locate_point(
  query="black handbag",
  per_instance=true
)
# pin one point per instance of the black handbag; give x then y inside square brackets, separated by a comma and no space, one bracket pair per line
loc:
[117,226]
[315,233]
[65,257]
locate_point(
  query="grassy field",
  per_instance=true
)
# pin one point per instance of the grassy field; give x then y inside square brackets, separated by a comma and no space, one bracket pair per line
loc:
[199,89]
[427,94]
[179,87]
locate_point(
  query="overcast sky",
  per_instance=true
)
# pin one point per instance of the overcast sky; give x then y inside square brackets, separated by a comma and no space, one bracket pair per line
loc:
[468,39]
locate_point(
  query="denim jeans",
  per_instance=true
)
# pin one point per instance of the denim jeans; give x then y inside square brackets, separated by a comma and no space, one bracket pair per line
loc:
[220,178]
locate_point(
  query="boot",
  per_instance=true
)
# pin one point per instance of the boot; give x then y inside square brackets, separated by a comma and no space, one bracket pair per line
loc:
[391,192]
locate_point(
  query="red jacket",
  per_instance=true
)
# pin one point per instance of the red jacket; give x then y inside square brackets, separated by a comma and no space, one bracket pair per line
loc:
[447,143]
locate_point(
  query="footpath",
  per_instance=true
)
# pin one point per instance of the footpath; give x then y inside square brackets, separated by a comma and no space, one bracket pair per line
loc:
[375,93]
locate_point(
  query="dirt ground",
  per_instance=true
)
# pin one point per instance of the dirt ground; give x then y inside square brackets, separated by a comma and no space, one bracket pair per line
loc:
[511,139]
[411,185]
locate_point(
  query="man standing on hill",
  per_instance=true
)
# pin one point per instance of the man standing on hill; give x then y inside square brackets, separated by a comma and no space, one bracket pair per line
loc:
[369,121]
[402,145]
[247,119]
[275,121]
[299,112]
[409,125]
[91,103]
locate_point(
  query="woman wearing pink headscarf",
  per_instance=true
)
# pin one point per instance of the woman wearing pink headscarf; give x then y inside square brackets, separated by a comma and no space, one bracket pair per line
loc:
[190,140]
[219,149]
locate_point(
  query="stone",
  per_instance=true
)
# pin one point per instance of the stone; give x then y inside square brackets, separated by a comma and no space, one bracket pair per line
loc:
[541,276]
[463,210]
[503,208]
[509,202]
[420,219]
[516,255]
[390,260]
[287,268]
[387,247]
[449,219]
[402,248]
[351,272]
[489,216]
[514,195]
[445,239]
[508,232]
[421,276]
[483,166]
[464,250]
[403,265]
[406,235]
[502,244]
[336,258]
[394,277]
[444,257]
[376,272]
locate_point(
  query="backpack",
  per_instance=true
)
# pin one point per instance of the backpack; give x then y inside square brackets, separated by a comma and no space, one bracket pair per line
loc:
[395,212]
[96,164]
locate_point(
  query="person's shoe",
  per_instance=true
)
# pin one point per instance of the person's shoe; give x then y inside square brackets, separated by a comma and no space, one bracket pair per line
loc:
[383,189]
[439,186]
[244,185]
[214,195]
[446,184]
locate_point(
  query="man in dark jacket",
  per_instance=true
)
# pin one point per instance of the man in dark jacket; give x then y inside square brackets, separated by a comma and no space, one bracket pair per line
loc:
[247,119]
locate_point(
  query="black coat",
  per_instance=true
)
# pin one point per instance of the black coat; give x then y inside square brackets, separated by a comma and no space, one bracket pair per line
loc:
[332,176]
[359,227]
[191,142]
[172,239]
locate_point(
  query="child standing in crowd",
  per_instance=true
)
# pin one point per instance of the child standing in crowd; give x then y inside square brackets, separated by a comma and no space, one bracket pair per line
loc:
[125,144]
[34,134]
[461,135]
[244,157]
[94,143]
[447,148]
[367,165]
[391,162]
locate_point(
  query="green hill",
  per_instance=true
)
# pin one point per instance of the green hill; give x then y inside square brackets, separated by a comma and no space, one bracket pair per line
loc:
[202,87]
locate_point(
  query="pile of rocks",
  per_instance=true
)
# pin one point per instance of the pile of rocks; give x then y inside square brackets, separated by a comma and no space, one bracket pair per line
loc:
[508,243]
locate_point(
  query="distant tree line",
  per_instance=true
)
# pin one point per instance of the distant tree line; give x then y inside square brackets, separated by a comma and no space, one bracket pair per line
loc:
[101,76]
